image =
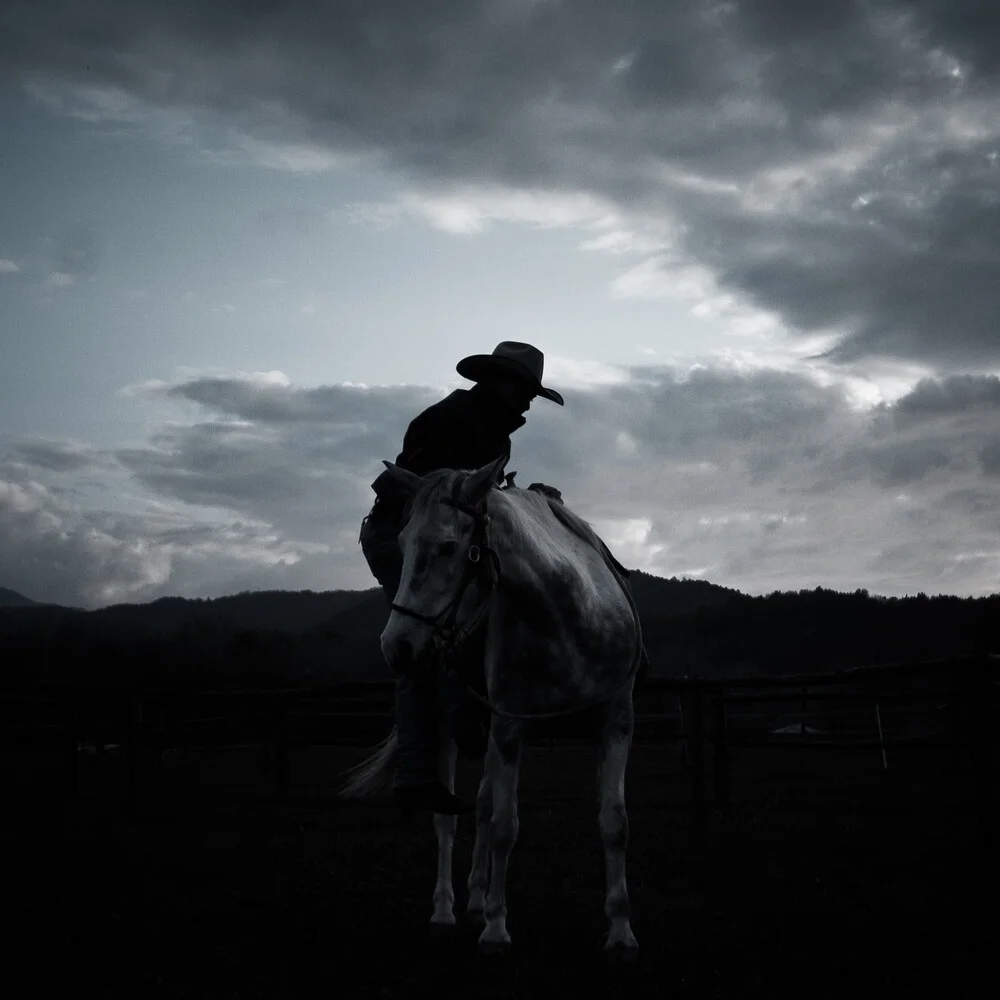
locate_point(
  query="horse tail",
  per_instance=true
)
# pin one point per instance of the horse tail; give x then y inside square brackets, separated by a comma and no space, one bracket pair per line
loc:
[374,772]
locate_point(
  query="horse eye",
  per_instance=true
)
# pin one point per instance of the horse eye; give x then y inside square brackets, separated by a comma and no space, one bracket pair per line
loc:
[448,548]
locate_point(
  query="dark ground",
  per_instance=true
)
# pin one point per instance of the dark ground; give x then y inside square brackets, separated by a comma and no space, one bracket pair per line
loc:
[825,876]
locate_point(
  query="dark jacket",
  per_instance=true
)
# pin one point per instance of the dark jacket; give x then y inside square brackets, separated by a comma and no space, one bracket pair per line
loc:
[466,430]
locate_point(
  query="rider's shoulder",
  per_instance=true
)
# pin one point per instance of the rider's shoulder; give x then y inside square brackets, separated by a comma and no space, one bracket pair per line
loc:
[458,401]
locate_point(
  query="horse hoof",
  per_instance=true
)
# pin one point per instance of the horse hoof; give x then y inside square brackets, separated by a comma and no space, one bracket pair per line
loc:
[440,933]
[494,949]
[475,917]
[621,952]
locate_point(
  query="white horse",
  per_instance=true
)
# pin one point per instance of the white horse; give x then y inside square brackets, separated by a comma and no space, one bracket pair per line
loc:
[562,634]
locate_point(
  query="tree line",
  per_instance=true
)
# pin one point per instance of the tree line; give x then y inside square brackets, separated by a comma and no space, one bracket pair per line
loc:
[689,627]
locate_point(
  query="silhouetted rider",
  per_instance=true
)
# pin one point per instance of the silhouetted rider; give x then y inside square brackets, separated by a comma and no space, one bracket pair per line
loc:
[466,430]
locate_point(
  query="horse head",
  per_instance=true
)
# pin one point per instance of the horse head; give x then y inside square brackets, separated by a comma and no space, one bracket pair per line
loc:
[446,579]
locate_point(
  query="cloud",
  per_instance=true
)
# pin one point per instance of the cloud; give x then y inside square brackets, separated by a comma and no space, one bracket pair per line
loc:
[835,170]
[769,480]
[751,477]
[958,396]
[58,456]
[745,475]
[8,266]
[474,209]
[271,398]
[266,489]
[109,107]
[53,554]
[296,158]
[59,551]
[59,279]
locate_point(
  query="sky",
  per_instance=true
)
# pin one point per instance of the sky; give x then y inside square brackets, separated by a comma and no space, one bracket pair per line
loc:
[243,244]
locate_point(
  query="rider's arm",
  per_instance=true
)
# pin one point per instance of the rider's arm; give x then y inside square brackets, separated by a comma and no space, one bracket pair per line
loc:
[432,442]
[445,438]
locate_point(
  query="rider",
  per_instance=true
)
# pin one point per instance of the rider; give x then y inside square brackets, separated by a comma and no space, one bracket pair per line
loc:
[466,430]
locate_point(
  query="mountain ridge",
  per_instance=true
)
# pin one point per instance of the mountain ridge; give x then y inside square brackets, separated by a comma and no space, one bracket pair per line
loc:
[347,613]
[689,627]
[12,599]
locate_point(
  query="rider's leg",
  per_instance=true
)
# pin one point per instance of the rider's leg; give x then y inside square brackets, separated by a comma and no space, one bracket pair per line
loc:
[465,720]
[418,732]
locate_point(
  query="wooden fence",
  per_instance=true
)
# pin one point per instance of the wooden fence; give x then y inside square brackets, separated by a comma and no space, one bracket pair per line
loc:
[708,718]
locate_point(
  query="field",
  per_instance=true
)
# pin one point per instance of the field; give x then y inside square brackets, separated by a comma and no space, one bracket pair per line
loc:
[824,875]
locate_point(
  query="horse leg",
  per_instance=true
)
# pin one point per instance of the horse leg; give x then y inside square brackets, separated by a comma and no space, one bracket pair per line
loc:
[503,762]
[479,872]
[616,739]
[443,919]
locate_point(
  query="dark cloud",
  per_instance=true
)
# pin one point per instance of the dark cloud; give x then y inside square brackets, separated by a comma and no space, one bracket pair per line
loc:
[712,407]
[989,456]
[958,395]
[969,28]
[58,456]
[834,163]
[280,403]
[976,500]
[742,476]
[904,463]
[300,458]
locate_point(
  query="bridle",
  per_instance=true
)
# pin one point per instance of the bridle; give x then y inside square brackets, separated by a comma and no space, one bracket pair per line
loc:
[447,633]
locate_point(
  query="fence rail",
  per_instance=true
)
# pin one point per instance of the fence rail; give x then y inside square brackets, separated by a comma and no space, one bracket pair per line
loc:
[706,717]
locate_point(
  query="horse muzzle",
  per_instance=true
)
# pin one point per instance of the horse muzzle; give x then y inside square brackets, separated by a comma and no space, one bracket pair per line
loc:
[404,658]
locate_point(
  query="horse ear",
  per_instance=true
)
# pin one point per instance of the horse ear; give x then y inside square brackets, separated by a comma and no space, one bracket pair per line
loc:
[410,481]
[482,480]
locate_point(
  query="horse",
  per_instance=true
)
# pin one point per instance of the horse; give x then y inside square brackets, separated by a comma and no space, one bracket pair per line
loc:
[561,635]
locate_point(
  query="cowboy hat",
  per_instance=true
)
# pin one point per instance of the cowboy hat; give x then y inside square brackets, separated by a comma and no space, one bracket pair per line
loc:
[509,358]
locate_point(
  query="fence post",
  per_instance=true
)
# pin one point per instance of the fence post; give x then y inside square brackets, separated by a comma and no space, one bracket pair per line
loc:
[720,751]
[698,758]
[100,730]
[133,755]
[279,736]
[982,751]
[685,738]
[881,737]
[70,755]
[959,712]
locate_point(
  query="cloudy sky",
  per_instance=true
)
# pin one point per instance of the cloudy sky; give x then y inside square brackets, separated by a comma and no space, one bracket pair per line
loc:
[242,244]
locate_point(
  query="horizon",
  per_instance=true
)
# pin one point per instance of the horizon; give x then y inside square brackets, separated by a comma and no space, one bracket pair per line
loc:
[758,248]
[374,588]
